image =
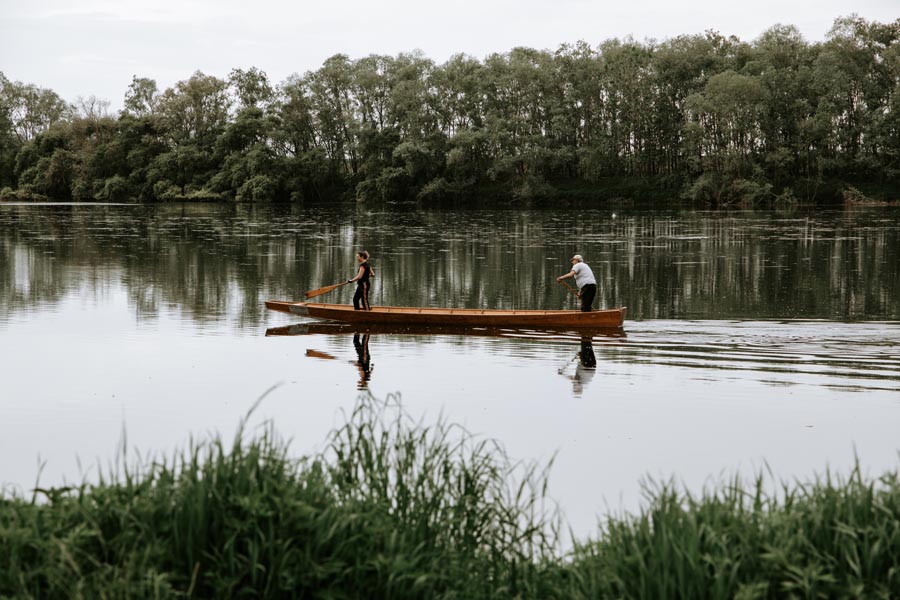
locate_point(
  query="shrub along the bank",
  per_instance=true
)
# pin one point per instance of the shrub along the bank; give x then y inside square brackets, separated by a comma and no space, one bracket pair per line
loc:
[395,509]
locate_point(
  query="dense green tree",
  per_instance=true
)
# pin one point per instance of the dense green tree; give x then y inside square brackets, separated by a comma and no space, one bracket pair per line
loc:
[195,110]
[142,97]
[27,111]
[332,107]
[9,144]
[32,110]
[251,87]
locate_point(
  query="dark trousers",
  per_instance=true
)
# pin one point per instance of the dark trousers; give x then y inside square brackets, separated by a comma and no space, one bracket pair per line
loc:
[588,293]
[361,297]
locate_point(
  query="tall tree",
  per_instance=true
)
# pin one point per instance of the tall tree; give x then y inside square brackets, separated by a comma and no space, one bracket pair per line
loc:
[142,96]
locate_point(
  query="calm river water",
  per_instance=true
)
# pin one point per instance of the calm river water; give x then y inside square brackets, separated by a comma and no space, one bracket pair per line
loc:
[753,338]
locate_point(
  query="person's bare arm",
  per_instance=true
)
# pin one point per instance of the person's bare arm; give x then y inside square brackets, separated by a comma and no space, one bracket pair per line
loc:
[358,275]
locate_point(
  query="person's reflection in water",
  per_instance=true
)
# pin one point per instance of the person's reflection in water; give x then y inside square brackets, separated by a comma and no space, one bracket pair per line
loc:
[586,357]
[364,360]
[586,367]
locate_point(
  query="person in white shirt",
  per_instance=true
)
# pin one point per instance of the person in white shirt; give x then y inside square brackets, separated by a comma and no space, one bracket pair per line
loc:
[584,279]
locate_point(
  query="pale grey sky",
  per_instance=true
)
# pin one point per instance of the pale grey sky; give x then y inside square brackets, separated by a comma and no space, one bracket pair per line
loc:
[95,46]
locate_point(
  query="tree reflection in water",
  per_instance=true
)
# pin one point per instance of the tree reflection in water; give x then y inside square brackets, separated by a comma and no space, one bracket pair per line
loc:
[216,264]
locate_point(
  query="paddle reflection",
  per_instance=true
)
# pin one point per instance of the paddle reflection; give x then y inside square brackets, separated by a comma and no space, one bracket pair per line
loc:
[319,354]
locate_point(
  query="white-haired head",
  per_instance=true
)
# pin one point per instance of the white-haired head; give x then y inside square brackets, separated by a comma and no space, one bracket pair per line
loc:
[577,258]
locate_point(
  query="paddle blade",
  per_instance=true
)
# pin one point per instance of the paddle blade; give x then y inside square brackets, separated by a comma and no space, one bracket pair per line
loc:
[323,290]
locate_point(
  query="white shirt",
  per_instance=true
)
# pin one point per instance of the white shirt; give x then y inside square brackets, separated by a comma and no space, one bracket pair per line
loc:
[583,275]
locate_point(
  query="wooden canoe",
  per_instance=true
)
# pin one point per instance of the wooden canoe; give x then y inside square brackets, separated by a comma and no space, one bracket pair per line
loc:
[543,333]
[458,317]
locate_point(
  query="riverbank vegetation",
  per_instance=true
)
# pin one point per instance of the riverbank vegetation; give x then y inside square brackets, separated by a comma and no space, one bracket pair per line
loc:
[395,508]
[707,118]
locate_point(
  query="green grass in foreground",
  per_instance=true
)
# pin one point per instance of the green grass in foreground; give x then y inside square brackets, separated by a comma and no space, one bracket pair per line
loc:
[396,509]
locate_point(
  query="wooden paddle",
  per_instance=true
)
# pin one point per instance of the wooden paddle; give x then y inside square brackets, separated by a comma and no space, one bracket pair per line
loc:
[324,290]
[570,288]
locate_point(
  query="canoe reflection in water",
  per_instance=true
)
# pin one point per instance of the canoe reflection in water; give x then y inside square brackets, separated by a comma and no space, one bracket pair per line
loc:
[584,370]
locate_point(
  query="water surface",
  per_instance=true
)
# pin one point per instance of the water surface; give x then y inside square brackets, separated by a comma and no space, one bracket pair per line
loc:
[754,337]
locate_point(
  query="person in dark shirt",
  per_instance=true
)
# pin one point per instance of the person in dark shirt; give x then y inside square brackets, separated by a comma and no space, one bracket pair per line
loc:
[363,275]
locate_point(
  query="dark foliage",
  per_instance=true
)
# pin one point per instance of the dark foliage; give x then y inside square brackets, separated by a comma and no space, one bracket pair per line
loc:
[712,118]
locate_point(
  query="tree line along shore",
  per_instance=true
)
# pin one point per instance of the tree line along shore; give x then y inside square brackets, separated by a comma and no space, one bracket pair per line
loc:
[702,118]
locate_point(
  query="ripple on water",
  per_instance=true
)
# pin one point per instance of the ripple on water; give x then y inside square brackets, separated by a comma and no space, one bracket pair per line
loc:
[864,355]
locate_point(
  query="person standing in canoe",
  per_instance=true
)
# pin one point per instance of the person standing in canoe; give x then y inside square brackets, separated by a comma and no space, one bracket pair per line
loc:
[584,279]
[365,272]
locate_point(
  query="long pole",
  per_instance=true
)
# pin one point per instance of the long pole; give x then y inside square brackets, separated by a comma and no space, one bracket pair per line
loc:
[570,288]
[325,290]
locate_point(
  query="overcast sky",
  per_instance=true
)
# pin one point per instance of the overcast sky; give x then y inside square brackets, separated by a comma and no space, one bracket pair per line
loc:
[95,46]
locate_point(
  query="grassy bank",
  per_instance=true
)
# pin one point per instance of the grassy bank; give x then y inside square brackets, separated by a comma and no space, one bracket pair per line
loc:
[397,509]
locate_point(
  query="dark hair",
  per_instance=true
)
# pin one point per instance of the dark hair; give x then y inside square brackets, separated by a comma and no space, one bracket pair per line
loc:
[363,254]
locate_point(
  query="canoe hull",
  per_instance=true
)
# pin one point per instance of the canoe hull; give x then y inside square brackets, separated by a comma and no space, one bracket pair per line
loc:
[542,333]
[456,317]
